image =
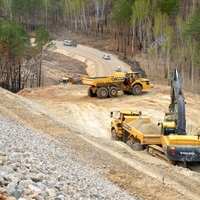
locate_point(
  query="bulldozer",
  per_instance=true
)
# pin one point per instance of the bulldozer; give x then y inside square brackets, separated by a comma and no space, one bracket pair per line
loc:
[74,79]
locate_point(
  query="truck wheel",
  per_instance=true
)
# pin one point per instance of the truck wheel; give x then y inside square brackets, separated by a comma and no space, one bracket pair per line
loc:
[113,92]
[91,93]
[114,135]
[137,147]
[129,143]
[102,93]
[136,90]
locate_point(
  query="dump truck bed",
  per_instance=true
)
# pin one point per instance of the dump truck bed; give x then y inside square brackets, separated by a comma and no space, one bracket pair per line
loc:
[144,130]
[116,79]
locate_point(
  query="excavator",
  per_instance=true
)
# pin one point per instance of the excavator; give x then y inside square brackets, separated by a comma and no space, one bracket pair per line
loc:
[170,142]
[176,144]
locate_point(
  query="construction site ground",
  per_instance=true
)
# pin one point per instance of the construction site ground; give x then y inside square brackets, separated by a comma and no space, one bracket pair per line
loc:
[81,123]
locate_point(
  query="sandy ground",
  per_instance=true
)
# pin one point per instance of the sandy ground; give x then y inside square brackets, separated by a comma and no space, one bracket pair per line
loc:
[69,114]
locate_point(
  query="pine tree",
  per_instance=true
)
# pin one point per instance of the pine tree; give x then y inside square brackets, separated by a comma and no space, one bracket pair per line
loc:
[14,42]
[44,44]
[169,7]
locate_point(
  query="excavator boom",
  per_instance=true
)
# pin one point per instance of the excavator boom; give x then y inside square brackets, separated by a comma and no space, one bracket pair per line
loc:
[177,106]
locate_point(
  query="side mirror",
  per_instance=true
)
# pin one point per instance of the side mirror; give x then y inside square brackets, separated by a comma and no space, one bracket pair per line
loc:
[111,114]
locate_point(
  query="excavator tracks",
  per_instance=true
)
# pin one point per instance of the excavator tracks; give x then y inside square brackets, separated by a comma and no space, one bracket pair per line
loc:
[157,151]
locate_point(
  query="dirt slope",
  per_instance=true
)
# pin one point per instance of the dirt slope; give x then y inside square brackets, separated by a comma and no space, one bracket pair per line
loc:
[70,105]
[81,123]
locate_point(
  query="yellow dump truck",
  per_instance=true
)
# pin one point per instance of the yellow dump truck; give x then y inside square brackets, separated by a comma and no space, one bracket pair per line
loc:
[135,130]
[108,86]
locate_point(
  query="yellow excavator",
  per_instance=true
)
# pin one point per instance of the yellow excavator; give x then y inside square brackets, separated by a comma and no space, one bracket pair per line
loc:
[176,144]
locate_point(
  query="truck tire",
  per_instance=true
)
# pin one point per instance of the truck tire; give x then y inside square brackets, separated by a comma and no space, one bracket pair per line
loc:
[129,143]
[102,93]
[91,93]
[137,147]
[114,135]
[136,90]
[113,91]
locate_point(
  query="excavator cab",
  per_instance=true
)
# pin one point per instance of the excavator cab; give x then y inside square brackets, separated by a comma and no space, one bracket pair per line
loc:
[168,128]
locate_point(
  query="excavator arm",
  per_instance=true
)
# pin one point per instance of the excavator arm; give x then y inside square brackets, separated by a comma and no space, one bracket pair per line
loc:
[177,105]
[175,117]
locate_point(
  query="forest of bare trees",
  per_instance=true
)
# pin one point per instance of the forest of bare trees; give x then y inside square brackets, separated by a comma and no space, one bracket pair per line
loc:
[165,32]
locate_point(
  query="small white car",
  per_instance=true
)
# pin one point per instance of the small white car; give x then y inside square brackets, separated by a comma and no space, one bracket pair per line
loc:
[69,43]
[118,69]
[106,57]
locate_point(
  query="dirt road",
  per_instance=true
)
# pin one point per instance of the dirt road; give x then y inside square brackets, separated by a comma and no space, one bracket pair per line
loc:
[97,66]
[82,123]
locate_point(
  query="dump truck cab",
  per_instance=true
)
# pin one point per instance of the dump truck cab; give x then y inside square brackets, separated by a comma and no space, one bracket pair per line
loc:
[119,117]
[134,83]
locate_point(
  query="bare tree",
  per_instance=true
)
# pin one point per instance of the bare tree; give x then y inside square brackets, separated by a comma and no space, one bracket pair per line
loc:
[141,10]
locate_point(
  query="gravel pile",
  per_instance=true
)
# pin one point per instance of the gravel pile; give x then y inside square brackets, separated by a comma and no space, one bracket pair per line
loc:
[32,166]
[145,127]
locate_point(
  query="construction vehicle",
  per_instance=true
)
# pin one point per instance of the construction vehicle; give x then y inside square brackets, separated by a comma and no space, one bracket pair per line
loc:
[108,86]
[73,78]
[177,145]
[169,140]
[136,130]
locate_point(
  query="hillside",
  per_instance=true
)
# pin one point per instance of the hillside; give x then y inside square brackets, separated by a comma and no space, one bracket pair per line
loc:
[81,124]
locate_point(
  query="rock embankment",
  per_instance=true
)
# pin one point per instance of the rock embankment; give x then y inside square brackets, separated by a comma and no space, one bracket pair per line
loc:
[32,166]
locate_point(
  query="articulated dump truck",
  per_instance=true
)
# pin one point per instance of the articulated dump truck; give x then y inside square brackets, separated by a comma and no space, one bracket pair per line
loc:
[108,86]
[167,140]
[136,130]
